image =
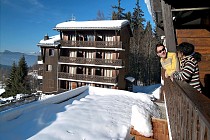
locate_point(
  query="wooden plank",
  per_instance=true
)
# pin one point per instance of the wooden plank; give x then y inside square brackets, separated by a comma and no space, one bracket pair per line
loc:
[168,26]
[138,136]
[189,128]
[201,129]
[203,73]
[205,58]
[185,119]
[195,41]
[160,130]
[204,66]
[203,50]
[195,125]
[197,33]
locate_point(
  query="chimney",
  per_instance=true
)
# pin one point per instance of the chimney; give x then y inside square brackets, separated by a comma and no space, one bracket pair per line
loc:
[46,37]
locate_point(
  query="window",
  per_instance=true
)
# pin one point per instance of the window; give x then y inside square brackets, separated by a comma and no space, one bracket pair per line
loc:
[51,52]
[49,68]
[88,71]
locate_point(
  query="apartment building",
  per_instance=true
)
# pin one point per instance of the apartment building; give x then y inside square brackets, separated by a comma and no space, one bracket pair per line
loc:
[85,53]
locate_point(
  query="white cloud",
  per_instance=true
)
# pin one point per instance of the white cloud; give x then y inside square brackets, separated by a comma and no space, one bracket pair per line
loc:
[36,3]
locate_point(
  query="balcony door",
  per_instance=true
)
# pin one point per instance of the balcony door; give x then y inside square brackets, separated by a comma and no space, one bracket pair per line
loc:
[80,54]
[98,71]
[98,54]
[79,70]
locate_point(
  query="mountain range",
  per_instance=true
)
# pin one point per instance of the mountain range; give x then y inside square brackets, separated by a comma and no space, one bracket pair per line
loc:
[7,58]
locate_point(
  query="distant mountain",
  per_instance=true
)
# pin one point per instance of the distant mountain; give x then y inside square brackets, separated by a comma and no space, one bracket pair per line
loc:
[8,57]
[4,72]
[5,66]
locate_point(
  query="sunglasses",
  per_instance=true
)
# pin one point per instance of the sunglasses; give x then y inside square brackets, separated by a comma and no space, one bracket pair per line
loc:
[163,49]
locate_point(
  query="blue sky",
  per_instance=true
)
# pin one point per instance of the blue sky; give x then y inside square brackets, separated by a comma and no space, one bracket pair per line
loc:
[23,23]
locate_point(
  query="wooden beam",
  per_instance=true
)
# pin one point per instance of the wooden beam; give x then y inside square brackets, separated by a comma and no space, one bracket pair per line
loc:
[168,26]
[190,9]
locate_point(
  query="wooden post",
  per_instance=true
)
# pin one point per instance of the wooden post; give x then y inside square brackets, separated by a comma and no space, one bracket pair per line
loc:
[168,26]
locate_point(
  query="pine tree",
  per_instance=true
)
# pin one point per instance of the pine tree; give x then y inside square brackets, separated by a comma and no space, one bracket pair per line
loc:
[137,18]
[148,42]
[9,89]
[144,64]
[136,47]
[22,71]
[128,16]
[17,82]
[119,15]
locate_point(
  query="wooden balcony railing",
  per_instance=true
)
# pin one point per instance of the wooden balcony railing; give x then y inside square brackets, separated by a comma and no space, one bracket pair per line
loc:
[97,44]
[96,61]
[40,72]
[188,111]
[93,78]
[40,88]
[39,58]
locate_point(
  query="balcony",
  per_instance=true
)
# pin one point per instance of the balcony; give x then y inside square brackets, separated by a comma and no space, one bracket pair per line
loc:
[40,74]
[188,111]
[96,44]
[91,78]
[40,60]
[95,61]
[40,88]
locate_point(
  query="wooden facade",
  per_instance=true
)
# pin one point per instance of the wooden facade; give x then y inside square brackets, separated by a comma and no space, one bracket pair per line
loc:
[201,39]
[95,56]
[187,109]
[190,22]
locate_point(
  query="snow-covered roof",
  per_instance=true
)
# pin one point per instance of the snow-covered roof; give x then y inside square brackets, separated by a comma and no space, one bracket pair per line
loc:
[90,113]
[100,24]
[52,41]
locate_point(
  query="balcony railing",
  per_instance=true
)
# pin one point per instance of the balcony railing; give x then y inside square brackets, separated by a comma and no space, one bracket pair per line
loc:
[40,72]
[40,88]
[96,61]
[92,78]
[188,111]
[39,58]
[97,44]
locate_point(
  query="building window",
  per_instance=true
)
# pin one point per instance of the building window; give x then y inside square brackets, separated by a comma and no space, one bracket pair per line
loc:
[49,68]
[98,71]
[51,52]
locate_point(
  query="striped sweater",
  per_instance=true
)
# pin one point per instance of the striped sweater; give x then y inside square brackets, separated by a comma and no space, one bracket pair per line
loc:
[189,72]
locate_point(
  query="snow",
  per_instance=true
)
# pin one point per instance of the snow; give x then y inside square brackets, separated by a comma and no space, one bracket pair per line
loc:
[116,24]
[2,91]
[153,90]
[52,40]
[140,120]
[147,2]
[85,113]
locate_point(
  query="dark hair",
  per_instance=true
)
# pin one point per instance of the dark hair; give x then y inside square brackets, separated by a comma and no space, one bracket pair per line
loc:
[197,56]
[158,45]
[188,49]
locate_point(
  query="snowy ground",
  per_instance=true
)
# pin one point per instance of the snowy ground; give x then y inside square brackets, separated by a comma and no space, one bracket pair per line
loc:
[97,113]
[2,90]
